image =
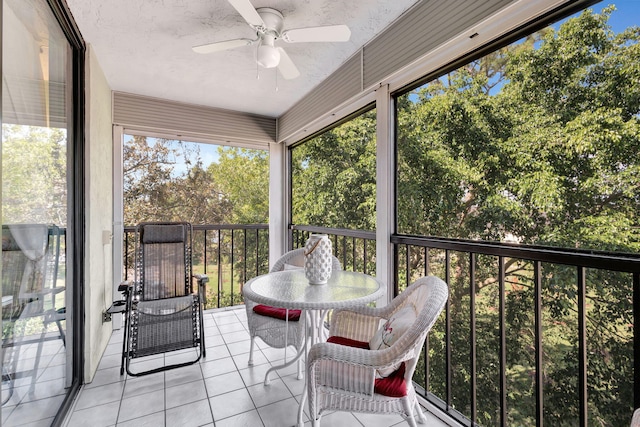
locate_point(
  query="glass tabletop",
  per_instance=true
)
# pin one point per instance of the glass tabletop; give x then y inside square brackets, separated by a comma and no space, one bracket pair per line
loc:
[291,289]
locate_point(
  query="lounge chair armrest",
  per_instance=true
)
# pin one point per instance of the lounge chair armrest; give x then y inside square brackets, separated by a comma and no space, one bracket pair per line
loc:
[125,287]
[201,278]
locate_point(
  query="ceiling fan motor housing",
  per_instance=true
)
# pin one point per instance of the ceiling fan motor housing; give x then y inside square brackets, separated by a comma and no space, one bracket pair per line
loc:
[272,21]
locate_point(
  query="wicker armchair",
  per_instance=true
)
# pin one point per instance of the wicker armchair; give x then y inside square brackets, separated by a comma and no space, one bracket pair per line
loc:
[343,377]
[270,326]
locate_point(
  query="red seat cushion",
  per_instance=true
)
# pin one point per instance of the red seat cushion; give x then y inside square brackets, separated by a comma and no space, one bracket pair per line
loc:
[277,313]
[348,342]
[394,385]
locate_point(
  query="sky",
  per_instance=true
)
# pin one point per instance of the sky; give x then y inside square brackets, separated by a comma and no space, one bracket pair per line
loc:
[627,13]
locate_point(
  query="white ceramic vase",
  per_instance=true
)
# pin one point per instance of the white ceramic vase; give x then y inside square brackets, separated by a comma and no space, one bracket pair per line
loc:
[318,259]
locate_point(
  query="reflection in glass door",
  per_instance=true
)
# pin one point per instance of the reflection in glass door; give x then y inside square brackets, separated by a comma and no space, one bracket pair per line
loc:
[36,213]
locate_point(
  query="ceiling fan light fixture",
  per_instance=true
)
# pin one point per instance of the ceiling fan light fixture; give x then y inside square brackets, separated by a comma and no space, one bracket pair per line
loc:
[268,54]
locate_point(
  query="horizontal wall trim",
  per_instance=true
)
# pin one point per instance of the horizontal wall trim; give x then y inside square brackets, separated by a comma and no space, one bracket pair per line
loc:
[176,118]
[337,88]
[192,137]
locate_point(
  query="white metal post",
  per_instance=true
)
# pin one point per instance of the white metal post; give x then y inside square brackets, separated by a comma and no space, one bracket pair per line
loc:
[277,206]
[118,217]
[385,197]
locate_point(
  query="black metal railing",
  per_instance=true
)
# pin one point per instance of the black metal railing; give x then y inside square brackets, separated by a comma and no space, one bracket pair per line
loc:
[356,249]
[530,335]
[230,254]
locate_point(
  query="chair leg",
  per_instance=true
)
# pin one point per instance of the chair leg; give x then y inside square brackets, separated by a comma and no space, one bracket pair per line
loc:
[203,347]
[62,334]
[36,362]
[300,376]
[253,338]
[421,418]
[407,406]
[125,338]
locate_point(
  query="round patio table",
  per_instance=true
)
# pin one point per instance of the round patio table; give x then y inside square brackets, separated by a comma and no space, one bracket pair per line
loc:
[290,289]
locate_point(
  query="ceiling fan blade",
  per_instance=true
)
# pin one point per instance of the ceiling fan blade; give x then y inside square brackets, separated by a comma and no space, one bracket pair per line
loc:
[224,45]
[248,12]
[331,33]
[286,66]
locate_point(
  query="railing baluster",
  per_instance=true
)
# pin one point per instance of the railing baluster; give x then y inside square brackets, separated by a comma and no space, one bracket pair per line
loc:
[539,378]
[219,265]
[582,346]
[344,251]
[353,243]
[257,253]
[472,333]
[426,342]
[364,256]
[636,340]
[204,249]
[407,266]
[232,248]
[244,274]
[126,256]
[448,390]
[503,343]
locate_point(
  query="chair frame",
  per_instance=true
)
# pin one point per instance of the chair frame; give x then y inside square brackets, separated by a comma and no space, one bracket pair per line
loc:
[343,378]
[133,291]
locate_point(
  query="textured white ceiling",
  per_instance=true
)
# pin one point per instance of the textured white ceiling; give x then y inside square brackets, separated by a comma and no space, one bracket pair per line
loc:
[144,47]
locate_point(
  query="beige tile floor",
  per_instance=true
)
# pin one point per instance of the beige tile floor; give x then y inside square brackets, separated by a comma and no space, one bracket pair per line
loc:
[219,391]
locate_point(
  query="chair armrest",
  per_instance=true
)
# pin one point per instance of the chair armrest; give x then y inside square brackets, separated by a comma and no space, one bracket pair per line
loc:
[340,367]
[371,359]
[348,368]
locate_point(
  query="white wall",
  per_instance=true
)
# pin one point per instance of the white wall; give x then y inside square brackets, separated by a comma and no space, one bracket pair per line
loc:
[98,214]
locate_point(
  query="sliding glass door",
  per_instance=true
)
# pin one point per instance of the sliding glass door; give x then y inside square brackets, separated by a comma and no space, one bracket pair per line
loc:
[38,214]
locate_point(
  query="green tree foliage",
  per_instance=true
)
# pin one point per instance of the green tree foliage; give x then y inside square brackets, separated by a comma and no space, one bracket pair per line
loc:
[243,177]
[155,191]
[538,144]
[34,170]
[334,176]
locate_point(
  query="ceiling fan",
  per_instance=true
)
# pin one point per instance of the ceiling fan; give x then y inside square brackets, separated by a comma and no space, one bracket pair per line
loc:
[268,24]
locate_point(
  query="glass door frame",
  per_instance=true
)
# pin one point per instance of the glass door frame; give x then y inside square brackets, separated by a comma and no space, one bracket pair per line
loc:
[75,231]
[71,31]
